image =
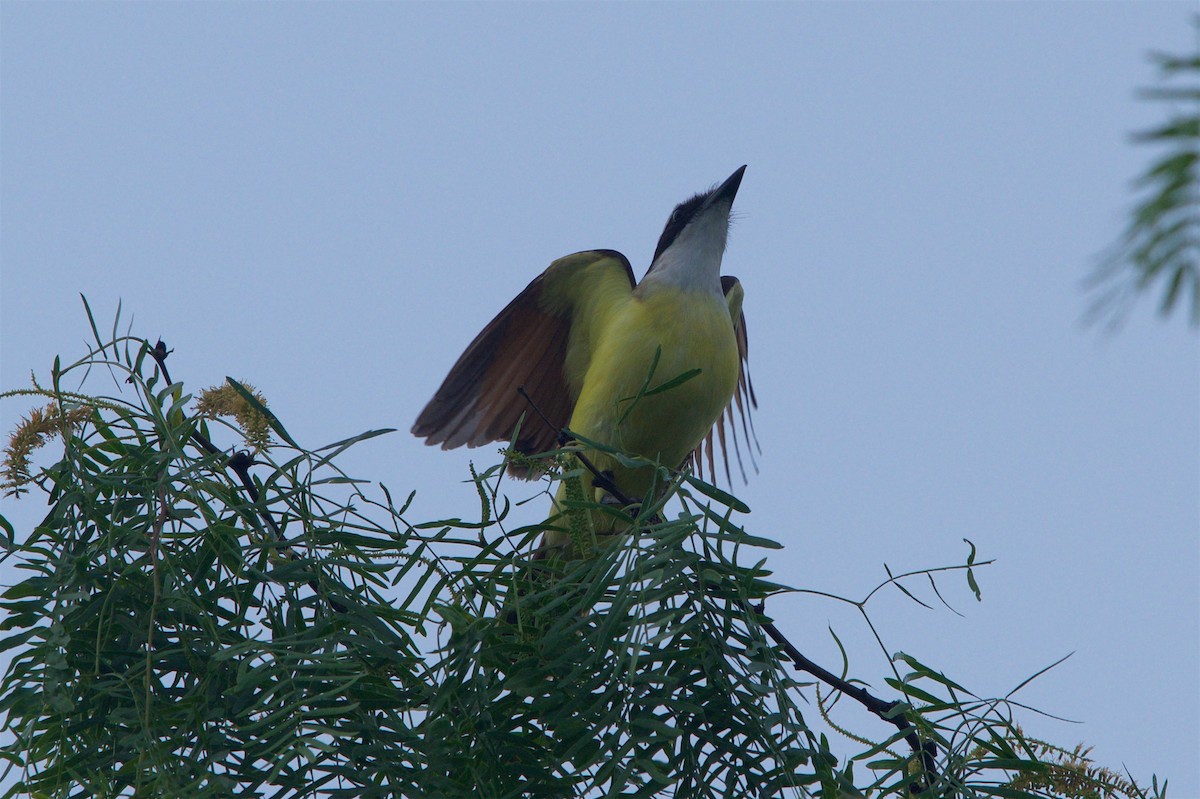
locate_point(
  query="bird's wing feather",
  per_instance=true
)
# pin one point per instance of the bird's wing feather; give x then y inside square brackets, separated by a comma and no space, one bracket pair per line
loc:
[526,346]
[703,458]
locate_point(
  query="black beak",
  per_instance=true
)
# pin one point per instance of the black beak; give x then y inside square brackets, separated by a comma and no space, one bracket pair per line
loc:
[728,190]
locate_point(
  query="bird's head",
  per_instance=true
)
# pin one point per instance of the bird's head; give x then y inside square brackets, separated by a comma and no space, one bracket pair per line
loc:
[691,245]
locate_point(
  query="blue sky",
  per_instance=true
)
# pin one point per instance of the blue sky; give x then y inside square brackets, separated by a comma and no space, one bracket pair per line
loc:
[329,201]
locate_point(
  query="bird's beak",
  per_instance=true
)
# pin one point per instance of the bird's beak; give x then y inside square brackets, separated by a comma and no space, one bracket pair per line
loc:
[728,190]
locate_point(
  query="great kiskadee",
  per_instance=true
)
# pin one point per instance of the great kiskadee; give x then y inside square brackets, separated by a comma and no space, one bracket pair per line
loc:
[582,340]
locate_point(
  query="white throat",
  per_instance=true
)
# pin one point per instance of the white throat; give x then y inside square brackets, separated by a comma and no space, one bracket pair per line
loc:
[693,261]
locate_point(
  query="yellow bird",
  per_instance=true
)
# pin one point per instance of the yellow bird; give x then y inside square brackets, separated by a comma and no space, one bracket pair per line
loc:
[586,345]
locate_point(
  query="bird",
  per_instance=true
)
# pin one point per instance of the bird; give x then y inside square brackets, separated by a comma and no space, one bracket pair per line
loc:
[655,368]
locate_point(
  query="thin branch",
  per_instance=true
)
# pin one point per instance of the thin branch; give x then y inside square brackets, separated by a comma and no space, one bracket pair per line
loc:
[240,462]
[891,712]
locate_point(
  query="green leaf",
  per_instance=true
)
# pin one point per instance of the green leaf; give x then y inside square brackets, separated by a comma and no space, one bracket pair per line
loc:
[716,494]
[973,585]
[8,534]
[673,382]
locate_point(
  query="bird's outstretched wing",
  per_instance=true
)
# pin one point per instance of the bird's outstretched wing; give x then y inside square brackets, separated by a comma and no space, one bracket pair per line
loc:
[525,347]
[703,458]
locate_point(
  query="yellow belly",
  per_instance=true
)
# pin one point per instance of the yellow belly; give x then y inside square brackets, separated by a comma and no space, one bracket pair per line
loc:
[691,330]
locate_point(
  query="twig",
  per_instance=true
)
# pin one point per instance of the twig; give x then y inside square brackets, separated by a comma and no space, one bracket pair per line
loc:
[601,479]
[240,462]
[884,710]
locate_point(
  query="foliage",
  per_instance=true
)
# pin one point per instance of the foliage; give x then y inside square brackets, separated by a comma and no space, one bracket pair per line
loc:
[1161,244]
[189,627]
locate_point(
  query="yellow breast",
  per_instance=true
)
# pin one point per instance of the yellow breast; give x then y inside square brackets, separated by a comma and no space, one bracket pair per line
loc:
[690,330]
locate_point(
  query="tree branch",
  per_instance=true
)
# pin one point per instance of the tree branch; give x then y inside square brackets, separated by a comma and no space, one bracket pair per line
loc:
[891,712]
[240,462]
